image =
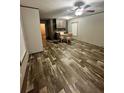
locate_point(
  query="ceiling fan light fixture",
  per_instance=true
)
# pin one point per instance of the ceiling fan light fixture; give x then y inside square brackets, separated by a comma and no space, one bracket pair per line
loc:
[79,12]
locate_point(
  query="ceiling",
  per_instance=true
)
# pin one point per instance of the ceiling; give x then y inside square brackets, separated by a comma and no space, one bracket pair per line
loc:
[59,8]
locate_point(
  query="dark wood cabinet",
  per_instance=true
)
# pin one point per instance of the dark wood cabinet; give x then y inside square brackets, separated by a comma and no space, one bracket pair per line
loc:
[60,23]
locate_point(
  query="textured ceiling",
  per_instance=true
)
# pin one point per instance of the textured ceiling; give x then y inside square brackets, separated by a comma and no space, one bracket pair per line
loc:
[59,8]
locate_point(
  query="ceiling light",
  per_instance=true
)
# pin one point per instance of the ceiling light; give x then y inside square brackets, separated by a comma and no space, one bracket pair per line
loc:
[66,17]
[79,12]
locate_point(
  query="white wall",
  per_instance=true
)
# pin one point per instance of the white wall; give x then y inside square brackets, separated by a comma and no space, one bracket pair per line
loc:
[22,45]
[90,29]
[31,25]
[23,54]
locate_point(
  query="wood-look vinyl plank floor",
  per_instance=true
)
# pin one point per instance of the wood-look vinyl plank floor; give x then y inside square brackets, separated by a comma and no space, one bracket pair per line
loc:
[62,68]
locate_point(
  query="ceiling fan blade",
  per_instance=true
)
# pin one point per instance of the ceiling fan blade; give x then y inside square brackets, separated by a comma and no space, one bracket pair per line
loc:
[68,12]
[74,8]
[79,3]
[97,4]
[86,6]
[90,10]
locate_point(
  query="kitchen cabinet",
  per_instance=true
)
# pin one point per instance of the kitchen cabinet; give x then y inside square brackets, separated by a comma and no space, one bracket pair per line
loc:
[60,23]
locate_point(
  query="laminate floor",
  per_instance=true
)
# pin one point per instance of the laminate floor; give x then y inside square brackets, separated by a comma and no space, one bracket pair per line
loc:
[63,68]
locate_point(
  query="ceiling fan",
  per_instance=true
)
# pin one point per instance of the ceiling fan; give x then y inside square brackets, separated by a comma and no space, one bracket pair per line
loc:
[80,7]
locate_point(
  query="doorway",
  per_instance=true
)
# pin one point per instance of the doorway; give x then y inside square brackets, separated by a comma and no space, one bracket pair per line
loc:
[74,27]
[43,34]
